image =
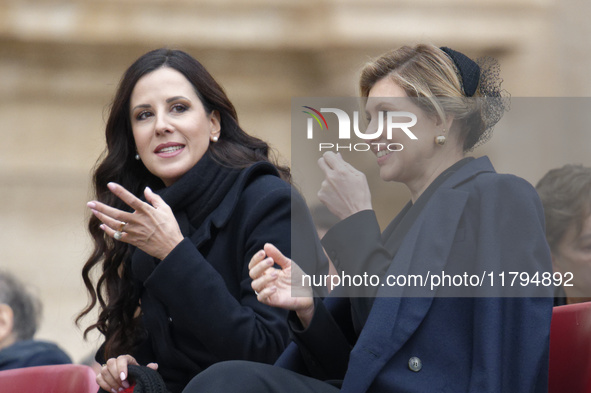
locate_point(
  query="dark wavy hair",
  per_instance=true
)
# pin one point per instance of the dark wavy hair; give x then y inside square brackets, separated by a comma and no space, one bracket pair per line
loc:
[115,293]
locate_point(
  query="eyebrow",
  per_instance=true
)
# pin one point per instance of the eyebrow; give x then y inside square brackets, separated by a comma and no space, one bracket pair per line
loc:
[382,107]
[139,106]
[388,106]
[171,99]
[168,101]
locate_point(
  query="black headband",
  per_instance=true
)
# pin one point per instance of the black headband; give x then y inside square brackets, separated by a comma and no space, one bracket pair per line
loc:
[468,69]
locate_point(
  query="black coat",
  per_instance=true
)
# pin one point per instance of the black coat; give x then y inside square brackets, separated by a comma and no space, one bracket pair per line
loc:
[198,307]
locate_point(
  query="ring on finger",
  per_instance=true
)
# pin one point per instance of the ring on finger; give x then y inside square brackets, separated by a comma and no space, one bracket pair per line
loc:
[118,235]
[123,224]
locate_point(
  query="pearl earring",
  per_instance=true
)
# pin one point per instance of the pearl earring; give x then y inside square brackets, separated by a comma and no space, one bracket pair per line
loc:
[440,139]
[214,138]
[137,157]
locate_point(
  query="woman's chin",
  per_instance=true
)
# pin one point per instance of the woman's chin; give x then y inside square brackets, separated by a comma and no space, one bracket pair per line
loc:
[387,176]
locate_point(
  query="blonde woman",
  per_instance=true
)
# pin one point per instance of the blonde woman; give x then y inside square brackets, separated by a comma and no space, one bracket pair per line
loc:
[461,215]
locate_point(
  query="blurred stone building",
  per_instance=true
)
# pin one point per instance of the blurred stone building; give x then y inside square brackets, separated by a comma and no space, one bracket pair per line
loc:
[60,63]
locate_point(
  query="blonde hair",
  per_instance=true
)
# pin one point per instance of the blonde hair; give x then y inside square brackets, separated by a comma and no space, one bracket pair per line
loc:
[427,73]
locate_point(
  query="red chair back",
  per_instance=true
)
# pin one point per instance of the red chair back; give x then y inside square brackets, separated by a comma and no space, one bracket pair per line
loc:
[570,349]
[63,378]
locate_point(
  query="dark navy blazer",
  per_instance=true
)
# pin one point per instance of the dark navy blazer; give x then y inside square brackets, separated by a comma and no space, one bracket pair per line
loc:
[476,218]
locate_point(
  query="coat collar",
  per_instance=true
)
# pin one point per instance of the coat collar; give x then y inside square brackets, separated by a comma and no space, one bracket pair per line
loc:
[468,172]
[221,215]
[142,264]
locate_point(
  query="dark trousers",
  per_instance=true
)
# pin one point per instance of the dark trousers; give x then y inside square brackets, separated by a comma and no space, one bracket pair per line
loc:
[238,376]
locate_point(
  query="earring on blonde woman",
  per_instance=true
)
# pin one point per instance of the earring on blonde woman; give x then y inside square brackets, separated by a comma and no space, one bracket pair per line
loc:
[440,139]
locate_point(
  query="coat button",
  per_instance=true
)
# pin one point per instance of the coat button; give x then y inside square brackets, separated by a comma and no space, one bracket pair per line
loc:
[415,364]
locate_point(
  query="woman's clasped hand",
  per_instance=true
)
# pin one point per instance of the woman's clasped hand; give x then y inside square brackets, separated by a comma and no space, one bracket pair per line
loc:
[113,375]
[344,189]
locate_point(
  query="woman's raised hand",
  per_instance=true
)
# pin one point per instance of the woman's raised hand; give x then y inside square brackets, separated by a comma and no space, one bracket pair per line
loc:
[344,190]
[113,374]
[282,287]
[151,227]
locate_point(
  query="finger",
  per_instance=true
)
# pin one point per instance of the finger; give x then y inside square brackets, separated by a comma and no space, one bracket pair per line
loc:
[109,221]
[122,362]
[259,270]
[324,166]
[153,366]
[266,293]
[256,258]
[130,200]
[110,374]
[332,160]
[265,280]
[111,233]
[274,253]
[323,198]
[106,386]
[337,163]
[109,211]
[154,199]
[324,186]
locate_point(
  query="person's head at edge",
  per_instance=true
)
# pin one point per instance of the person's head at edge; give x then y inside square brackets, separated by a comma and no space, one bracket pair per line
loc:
[438,86]
[566,196]
[20,312]
[145,85]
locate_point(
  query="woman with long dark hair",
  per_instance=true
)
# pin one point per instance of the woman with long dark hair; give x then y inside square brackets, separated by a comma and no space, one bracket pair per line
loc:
[184,198]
